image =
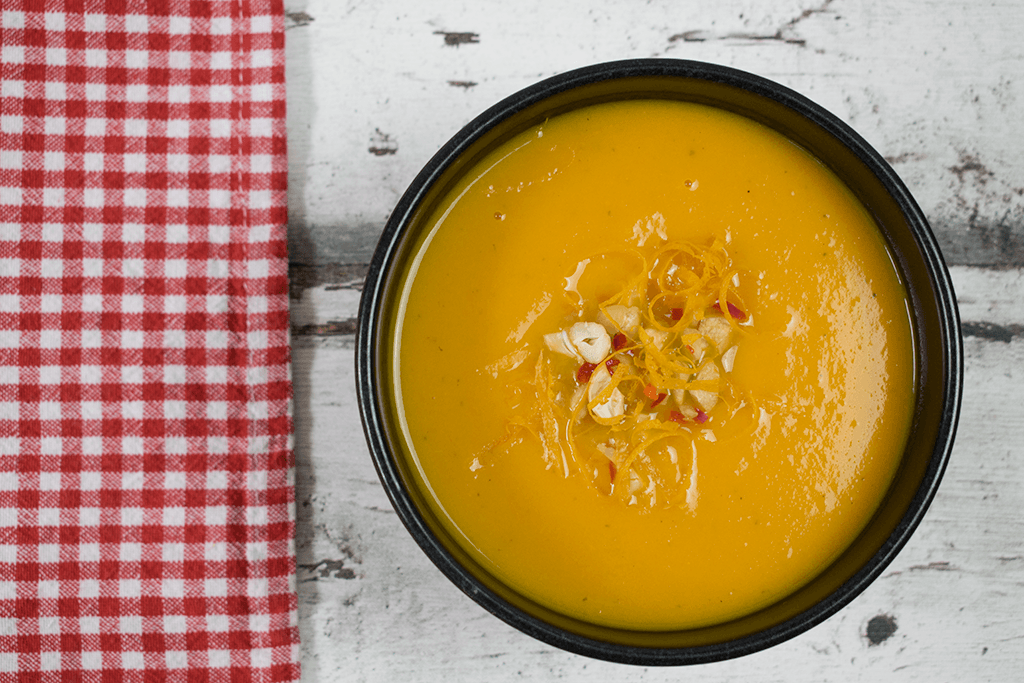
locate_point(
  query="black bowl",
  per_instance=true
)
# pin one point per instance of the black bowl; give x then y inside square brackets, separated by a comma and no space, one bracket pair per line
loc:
[935,323]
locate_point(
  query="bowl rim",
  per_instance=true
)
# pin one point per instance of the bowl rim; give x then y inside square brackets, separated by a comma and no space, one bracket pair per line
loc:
[367,361]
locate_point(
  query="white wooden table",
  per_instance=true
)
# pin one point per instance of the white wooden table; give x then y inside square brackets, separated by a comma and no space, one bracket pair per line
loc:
[374,88]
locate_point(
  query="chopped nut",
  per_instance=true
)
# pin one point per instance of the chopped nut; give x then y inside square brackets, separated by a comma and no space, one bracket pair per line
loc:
[706,399]
[679,396]
[619,318]
[685,409]
[658,337]
[559,343]
[729,358]
[717,330]
[591,341]
[612,407]
[583,341]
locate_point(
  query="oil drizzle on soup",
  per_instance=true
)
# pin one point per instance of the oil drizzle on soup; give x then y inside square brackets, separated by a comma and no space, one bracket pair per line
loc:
[809,422]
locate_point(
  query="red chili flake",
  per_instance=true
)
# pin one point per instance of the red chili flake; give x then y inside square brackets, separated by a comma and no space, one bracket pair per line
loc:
[676,416]
[651,391]
[611,364]
[677,313]
[702,417]
[618,341]
[734,310]
[612,470]
[661,397]
[584,373]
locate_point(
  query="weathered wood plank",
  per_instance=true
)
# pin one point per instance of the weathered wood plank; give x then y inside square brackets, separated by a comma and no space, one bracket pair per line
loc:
[326,301]
[374,89]
[372,607]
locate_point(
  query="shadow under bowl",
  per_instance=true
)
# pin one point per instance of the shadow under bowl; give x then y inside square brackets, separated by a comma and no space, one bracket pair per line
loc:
[934,318]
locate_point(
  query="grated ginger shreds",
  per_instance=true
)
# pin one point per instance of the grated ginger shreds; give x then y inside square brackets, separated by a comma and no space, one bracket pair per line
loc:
[663,384]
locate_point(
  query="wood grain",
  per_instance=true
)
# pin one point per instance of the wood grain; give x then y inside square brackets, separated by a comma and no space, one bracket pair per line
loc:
[374,608]
[374,88]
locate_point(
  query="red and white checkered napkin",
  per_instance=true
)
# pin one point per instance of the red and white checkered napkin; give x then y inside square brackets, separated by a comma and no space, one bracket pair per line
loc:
[146,483]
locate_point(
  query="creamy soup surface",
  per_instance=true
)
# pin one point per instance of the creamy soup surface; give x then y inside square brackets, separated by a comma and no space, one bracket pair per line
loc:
[751,377]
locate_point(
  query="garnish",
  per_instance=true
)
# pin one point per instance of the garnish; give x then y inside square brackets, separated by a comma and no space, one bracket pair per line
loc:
[734,311]
[676,416]
[584,372]
[668,349]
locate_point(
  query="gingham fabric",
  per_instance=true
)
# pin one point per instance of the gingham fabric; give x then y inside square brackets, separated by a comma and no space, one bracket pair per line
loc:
[146,474]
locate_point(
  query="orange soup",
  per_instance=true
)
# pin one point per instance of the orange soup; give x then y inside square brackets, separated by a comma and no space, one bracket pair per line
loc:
[654,365]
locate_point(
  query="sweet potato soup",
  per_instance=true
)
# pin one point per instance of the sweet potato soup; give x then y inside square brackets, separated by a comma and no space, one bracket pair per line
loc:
[654,365]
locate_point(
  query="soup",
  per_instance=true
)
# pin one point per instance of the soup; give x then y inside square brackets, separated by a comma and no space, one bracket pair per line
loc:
[654,365]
